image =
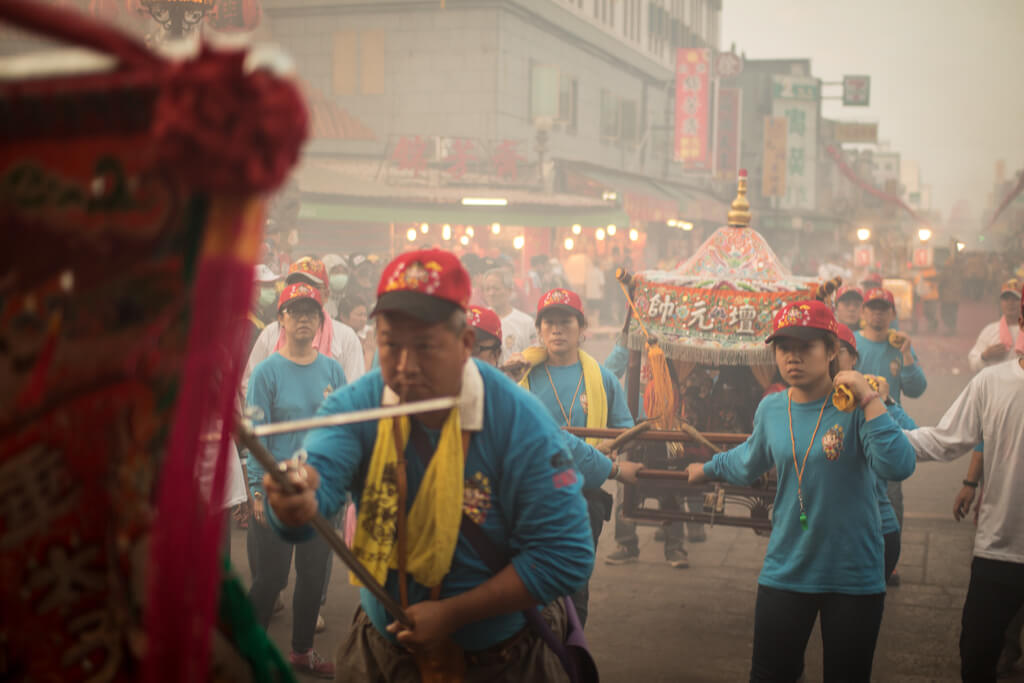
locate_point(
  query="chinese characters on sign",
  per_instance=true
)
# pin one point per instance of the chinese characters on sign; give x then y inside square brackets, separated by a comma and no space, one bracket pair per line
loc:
[701,316]
[457,157]
[863,256]
[796,99]
[692,98]
[773,168]
[856,91]
[727,133]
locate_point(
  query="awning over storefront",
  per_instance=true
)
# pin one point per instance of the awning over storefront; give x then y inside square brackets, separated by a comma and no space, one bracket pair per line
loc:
[351,210]
[352,190]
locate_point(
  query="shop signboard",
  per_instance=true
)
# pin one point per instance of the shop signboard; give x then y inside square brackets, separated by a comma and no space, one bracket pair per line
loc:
[692,111]
[863,256]
[773,164]
[797,98]
[856,91]
[856,133]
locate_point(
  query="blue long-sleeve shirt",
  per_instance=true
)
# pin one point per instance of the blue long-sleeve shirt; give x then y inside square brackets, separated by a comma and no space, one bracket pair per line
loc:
[841,551]
[281,390]
[618,360]
[566,380]
[526,498]
[882,359]
[890,523]
[594,465]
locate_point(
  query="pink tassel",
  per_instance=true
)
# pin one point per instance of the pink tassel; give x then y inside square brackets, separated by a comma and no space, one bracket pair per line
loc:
[184,567]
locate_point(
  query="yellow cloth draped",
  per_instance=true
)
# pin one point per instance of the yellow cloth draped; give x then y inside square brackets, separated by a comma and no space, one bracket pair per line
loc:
[433,520]
[597,399]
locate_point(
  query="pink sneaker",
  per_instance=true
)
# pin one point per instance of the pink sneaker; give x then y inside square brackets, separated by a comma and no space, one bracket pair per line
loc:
[311,663]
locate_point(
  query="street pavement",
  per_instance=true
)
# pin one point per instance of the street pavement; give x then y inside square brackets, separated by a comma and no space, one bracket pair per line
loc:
[649,622]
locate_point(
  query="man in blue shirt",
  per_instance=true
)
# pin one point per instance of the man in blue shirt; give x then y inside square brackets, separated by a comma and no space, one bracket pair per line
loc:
[889,354]
[514,479]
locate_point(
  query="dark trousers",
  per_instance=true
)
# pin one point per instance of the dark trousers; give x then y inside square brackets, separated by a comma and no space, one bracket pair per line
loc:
[892,552]
[599,510]
[272,560]
[995,595]
[783,621]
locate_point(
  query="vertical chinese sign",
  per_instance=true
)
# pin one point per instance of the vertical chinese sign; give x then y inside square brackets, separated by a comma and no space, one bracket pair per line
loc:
[796,98]
[693,90]
[773,165]
[727,132]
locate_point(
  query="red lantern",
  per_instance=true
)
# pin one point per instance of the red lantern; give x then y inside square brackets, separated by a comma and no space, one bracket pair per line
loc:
[235,16]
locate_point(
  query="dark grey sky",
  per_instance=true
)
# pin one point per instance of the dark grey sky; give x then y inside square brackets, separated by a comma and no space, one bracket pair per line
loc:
[947,87]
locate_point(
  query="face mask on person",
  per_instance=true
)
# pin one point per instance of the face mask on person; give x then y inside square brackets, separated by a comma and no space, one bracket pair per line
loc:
[338,281]
[267,296]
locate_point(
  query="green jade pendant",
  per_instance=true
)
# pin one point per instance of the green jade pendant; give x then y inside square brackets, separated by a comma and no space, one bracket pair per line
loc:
[803,521]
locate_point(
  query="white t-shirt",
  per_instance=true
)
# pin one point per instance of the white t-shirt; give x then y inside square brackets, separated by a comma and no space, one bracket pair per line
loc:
[234,484]
[519,331]
[345,348]
[990,409]
[989,336]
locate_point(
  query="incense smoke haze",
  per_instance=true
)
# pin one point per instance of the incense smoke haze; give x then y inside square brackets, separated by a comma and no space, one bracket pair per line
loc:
[945,77]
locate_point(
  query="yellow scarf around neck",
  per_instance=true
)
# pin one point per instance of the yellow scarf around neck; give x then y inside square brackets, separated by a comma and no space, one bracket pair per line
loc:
[597,399]
[433,520]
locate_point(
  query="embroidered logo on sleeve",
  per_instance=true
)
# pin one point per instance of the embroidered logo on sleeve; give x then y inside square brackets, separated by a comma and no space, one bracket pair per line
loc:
[476,497]
[832,442]
[564,478]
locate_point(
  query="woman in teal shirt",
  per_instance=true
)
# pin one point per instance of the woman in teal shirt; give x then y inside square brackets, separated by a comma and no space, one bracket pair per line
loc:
[290,385]
[825,555]
[577,391]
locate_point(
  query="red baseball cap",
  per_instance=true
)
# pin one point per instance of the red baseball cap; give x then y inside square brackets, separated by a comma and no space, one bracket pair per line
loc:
[879,294]
[849,289]
[308,269]
[485,320]
[428,284]
[296,291]
[845,334]
[1012,287]
[803,320]
[563,299]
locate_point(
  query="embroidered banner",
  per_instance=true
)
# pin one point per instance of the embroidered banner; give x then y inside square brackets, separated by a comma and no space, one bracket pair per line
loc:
[718,326]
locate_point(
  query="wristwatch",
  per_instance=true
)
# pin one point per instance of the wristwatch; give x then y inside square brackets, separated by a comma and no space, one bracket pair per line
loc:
[972,484]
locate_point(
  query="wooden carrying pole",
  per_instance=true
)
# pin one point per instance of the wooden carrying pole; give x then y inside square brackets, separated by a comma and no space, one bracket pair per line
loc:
[658,435]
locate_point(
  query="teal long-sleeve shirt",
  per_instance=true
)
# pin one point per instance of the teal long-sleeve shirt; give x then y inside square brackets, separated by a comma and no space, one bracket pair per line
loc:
[890,524]
[882,359]
[841,551]
[594,465]
[526,498]
[281,390]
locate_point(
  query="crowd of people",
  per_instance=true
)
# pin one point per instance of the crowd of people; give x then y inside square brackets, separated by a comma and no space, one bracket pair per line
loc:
[480,519]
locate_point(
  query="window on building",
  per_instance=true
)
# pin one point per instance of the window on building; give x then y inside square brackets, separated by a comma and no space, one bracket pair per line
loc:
[544,87]
[359,63]
[609,116]
[568,96]
[628,128]
[553,96]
